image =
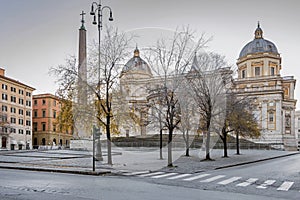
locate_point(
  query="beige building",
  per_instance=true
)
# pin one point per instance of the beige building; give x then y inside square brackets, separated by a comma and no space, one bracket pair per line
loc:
[16,114]
[47,130]
[259,78]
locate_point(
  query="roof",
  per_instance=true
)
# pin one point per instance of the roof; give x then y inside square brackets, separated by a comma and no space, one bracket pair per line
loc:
[17,82]
[258,45]
[137,64]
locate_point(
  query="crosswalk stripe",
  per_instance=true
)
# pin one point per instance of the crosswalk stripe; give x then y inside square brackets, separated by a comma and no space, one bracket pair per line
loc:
[164,175]
[179,176]
[196,177]
[265,184]
[285,186]
[247,182]
[212,179]
[152,174]
[230,180]
[135,173]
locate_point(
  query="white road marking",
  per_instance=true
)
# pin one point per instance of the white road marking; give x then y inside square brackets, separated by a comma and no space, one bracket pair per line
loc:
[265,184]
[212,179]
[247,182]
[285,186]
[164,175]
[196,177]
[179,176]
[230,180]
[152,174]
[135,173]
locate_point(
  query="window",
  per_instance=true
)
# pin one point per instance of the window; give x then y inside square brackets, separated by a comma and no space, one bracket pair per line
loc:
[54,102]
[272,71]
[28,94]
[4,108]
[34,126]
[44,101]
[271,117]
[12,120]
[28,132]
[21,91]
[44,126]
[257,71]
[13,130]
[13,99]
[4,97]
[287,121]
[13,110]
[35,113]
[54,128]
[243,73]
[35,102]
[13,89]
[21,112]
[43,113]
[21,101]
[4,87]
[21,131]
[28,103]
[28,123]
[3,118]
[21,121]
[4,129]
[54,113]
[28,113]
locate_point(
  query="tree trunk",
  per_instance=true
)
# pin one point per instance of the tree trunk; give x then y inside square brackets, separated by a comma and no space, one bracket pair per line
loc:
[170,162]
[109,157]
[237,143]
[187,145]
[160,144]
[225,145]
[207,150]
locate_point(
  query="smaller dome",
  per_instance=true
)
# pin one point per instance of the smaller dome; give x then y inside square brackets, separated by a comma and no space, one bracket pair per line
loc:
[258,45]
[137,64]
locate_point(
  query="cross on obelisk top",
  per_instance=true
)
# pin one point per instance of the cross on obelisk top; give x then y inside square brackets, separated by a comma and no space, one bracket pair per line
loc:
[82,20]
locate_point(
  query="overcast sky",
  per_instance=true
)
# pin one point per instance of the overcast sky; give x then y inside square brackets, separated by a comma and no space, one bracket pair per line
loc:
[38,34]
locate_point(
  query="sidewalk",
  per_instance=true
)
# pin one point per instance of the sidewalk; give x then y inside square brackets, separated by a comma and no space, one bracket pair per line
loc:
[129,160]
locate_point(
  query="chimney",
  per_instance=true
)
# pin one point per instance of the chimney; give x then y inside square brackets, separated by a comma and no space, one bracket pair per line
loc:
[2,72]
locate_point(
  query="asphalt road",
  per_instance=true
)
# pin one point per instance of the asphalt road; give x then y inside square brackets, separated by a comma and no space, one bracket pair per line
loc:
[272,179]
[25,185]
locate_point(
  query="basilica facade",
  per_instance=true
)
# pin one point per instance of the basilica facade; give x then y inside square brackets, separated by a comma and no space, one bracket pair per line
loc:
[259,67]
[259,79]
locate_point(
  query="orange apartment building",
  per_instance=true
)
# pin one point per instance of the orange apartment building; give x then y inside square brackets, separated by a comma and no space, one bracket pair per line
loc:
[46,129]
[16,114]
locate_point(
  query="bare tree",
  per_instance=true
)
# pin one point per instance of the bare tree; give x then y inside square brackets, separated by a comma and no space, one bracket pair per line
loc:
[169,60]
[114,49]
[206,79]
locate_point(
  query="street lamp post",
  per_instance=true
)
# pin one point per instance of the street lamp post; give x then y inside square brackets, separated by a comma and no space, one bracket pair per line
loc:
[98,21]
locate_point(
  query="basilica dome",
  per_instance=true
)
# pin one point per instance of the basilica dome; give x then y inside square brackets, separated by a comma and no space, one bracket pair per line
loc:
[258,45]
[137,64]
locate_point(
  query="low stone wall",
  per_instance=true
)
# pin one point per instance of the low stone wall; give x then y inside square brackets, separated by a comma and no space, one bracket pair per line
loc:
[82,144]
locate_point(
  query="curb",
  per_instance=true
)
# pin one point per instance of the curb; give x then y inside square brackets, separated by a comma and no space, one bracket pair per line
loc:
[255,161]
[94,173]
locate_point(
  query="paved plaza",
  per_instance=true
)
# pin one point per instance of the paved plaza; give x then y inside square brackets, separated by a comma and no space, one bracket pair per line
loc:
[130,160]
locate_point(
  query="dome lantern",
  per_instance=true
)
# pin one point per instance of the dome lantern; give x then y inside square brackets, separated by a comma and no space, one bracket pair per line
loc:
[258,32]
